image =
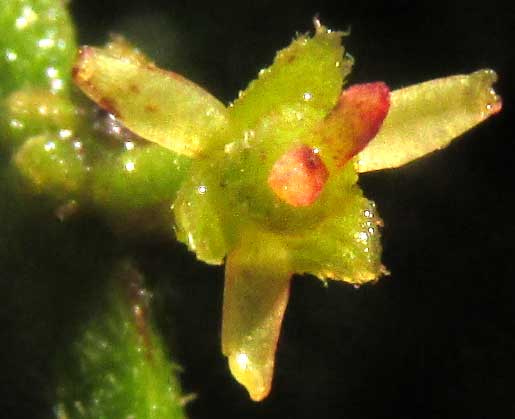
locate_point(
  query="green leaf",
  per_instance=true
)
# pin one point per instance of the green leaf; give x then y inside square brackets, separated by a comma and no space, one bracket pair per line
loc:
[118,367]
[37,46]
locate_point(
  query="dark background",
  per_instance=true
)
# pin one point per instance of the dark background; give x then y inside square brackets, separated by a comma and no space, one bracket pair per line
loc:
[436,339]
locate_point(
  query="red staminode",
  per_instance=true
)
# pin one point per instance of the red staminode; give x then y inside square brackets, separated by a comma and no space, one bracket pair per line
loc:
[355,120]
[298,176]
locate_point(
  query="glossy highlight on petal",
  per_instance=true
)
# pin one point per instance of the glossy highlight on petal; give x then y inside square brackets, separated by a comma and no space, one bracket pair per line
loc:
[354,121]
[298,176]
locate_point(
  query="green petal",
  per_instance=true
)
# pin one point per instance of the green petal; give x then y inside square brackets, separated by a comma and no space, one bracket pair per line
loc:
[160,106]
[344,247]
[310,71]
[257,283]
[426,117]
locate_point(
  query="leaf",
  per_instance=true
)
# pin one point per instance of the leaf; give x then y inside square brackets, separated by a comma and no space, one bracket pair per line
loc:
[118,366]
[37,44]
[158,105]
[257,283]
[426,117]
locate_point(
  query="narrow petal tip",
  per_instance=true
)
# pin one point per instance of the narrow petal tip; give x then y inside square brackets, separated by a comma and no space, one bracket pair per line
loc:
[251,377]
[490,100]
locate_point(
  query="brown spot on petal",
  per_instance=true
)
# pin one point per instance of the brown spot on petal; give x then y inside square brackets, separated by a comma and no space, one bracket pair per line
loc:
[151,108]
[110,106]
[298,176]
[134,88]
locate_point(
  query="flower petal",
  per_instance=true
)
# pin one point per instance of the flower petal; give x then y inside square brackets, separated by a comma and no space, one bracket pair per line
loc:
[257,283]
[426,117]
[160,106]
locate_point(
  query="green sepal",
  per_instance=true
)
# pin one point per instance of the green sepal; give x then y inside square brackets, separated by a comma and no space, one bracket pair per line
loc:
[309,72]
[200,214]
[345,246]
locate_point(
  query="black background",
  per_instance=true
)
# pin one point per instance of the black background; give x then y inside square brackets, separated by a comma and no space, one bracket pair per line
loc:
[436,339]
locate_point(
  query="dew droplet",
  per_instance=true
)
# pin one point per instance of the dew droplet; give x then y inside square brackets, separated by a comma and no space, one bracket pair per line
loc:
[28,17]
[10,55]
[15,123]
[56,85]
[52,72]
[46,43]
[49,146]
[65,133]
[362,236]
[130,166]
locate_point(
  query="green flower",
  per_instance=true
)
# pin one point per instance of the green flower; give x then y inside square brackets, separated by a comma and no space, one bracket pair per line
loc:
[272,186]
